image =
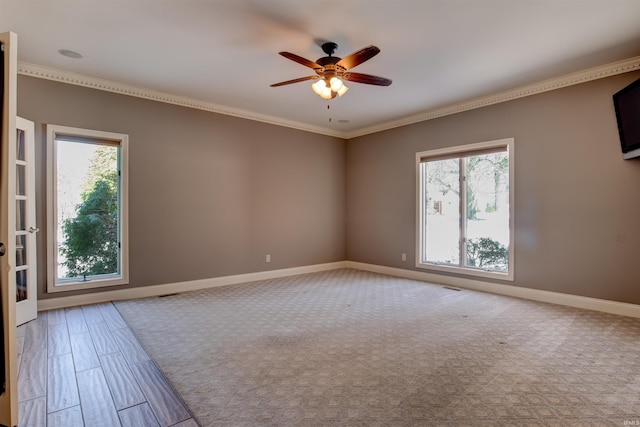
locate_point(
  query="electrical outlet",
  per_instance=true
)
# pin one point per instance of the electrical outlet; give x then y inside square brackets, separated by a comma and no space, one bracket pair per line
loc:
[268,258]
[404,257]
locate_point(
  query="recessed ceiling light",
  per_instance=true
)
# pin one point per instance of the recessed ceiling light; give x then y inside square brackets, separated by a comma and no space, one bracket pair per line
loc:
[70,53]
[343,121]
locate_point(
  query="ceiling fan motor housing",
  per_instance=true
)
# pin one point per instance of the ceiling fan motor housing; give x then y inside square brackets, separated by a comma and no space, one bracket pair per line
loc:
[329,47]
[329,67]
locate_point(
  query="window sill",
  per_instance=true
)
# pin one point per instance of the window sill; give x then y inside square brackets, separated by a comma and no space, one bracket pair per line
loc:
[72,285]
[476,272]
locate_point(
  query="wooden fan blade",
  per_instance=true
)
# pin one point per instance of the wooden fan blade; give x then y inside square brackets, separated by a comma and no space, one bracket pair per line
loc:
[366,79]
[300,60]
[300,79]
[358,57]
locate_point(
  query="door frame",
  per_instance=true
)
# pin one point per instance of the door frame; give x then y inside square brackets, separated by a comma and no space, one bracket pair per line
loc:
[8,399]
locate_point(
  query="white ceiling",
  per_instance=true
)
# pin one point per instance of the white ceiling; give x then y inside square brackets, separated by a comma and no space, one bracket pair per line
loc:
[225,52]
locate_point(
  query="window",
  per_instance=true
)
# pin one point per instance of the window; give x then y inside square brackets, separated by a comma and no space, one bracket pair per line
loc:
[86,209]
[465,209]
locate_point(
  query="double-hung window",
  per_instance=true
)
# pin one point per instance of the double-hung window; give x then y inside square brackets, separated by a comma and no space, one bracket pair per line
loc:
[465,209]
[87,192]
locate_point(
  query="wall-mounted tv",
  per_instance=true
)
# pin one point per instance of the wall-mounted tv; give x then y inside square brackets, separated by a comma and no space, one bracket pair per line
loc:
[627,105]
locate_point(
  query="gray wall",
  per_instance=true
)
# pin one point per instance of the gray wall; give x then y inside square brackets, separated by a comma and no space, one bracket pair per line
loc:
[210,195]
[577,212]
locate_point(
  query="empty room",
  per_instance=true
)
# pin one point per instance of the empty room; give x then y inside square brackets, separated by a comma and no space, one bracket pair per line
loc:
[316,213]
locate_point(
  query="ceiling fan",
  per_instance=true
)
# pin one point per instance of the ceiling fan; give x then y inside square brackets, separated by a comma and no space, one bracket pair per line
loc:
[331,71]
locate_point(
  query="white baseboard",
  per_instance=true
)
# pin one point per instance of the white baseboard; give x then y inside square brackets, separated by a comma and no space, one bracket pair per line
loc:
[606,306]
[170,288]
[613,307]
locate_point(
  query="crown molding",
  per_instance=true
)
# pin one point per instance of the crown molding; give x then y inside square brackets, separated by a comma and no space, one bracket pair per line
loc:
[68,77]
[603,71]
[600,72]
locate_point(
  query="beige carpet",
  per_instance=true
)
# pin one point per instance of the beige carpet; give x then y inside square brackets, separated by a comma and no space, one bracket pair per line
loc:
[348,347]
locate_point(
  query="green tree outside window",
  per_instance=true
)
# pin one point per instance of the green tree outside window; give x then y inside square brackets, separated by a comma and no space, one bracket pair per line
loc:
[90,246]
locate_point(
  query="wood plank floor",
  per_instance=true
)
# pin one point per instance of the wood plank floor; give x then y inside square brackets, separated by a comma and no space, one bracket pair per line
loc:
[83,366]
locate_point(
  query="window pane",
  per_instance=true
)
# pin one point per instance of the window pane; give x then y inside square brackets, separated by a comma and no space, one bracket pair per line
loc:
[487,211]
[21,250]
[88,210]
[20,148]
[442,208]
[21,212]
[21,180]
[21,285]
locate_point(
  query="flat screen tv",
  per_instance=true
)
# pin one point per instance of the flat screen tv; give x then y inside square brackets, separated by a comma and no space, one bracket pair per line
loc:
[627,105]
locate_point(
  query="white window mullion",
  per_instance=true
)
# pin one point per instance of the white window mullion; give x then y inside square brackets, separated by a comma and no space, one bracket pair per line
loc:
[420,218]
[463,212]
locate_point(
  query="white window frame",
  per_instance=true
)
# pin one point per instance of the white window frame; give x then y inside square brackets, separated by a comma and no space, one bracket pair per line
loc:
[508,144]
[122,140]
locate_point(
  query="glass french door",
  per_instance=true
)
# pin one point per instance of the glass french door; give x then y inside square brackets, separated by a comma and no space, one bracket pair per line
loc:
[25,227]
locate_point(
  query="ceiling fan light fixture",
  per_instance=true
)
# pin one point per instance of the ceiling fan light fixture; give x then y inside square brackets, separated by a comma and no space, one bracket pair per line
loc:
[327,89]
[336,84]
[318,86]
[327,93]
[323,89]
